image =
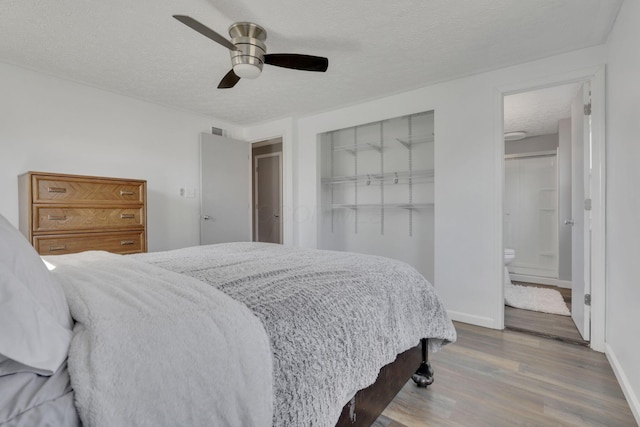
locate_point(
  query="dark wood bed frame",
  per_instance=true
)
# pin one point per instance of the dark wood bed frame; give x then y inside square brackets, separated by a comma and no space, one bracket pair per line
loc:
[368,403]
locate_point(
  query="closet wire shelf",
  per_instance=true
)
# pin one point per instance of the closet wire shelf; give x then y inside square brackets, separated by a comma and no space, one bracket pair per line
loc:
[409,206]
[388,177]
[406,142]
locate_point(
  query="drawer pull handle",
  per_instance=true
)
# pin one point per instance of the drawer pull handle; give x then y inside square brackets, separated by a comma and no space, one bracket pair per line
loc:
[126,193]
[57,190]
[127,216]
[56,217]
[127,242]
[57,248]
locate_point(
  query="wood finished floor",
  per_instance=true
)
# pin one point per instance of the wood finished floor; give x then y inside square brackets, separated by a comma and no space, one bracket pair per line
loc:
[544,324]
[506,378]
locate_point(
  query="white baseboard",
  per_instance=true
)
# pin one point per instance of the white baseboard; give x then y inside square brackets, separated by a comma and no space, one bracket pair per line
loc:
[485,322]
[629,393]
[540,280]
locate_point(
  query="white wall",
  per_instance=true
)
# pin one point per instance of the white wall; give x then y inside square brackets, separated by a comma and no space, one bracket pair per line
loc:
[53,125]
[469,153]
[623,202]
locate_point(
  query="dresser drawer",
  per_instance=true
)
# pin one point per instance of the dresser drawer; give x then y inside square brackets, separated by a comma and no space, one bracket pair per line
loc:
[121,243]
[71,218]
[47,189]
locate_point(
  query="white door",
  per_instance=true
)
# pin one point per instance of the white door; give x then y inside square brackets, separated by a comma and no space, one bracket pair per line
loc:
[225,206]
[580,192]
[268,198]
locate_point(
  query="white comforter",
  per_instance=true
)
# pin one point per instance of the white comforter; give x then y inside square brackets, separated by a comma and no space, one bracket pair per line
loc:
[333,318]
[156,348]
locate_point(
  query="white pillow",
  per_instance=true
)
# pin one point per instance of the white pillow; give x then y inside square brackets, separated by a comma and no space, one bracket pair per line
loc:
[35,318]
[31,339]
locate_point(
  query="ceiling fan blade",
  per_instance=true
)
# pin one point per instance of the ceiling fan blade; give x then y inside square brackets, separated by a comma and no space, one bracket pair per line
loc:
[297,62]
[205,31]
[229,80]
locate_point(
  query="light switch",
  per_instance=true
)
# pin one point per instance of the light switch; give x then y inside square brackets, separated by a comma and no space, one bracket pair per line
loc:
[189,192]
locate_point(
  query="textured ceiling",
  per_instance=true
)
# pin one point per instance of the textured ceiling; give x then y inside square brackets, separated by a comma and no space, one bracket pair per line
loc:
[375,47]
[538,112]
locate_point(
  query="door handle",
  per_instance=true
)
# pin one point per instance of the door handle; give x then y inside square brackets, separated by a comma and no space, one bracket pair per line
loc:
[206,217]
[276,215]
[568,222]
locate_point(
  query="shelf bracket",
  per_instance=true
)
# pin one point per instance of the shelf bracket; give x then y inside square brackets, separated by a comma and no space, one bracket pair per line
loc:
[375,147]
[406,144]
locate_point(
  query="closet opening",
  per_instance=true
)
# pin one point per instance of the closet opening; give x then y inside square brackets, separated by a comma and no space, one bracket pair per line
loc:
[377,189]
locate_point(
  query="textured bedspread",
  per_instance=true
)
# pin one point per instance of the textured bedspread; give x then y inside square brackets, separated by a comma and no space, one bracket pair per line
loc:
[333,318]
[154,348]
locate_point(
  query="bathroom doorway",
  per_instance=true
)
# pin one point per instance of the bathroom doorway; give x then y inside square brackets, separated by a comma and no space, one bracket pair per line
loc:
[545,133]
[267,191]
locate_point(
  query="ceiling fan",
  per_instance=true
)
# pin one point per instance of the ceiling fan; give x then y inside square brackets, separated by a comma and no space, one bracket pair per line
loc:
[249,53]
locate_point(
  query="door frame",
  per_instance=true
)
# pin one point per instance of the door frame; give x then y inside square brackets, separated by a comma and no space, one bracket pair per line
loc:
[596,76]
[256,223]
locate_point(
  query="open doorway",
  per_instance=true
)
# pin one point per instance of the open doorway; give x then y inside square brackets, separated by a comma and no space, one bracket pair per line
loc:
[546,237]
[266,166]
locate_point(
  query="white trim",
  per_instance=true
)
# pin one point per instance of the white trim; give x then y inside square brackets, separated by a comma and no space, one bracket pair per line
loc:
[498,213]
[485,322]
[598,285]
[255,189]
[200,227]
[623,380]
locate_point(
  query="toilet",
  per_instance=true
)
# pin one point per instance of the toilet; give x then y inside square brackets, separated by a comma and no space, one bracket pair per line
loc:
[509,256]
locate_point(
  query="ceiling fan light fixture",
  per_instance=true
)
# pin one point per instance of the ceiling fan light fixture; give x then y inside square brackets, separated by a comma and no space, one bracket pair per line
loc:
[248,58]
[249,53]
[246,71]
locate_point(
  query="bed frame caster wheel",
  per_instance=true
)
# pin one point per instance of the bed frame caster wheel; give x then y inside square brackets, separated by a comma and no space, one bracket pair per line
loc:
[423,376]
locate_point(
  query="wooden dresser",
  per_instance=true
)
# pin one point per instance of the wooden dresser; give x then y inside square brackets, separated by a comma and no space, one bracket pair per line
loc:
[62,214]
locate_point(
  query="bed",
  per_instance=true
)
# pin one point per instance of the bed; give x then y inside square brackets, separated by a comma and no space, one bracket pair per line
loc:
[239,334]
